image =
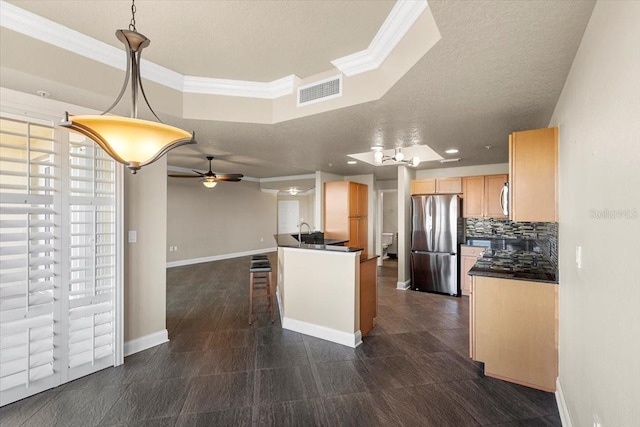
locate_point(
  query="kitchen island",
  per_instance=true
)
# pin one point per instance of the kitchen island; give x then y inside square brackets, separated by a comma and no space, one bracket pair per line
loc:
[320,290]
[514,317]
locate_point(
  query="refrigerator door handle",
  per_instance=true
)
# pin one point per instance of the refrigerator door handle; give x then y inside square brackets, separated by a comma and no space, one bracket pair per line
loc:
[504,203]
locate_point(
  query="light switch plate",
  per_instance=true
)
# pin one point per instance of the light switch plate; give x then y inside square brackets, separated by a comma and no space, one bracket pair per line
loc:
[133,236]
[579,256]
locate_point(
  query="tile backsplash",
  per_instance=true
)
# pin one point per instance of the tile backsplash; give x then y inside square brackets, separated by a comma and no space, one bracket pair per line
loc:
[544,233]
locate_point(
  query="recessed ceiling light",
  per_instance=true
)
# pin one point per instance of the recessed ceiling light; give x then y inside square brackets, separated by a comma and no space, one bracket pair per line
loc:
[451,151]
[487,147]
[43,93]
[352,162]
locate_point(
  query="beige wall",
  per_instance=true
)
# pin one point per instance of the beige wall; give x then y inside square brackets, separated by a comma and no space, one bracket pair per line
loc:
[232,217]
[599,135]
[145,198]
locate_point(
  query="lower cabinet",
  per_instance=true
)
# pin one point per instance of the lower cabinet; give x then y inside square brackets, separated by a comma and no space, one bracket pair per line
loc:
[468,257]
[513,330]
[368,293]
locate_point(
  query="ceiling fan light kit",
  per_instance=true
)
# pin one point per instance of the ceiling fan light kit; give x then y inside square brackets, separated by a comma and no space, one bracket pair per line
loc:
[398,157]
[131,141]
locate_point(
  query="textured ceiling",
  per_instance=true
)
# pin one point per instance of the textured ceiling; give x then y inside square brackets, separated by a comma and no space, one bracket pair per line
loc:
[499,67]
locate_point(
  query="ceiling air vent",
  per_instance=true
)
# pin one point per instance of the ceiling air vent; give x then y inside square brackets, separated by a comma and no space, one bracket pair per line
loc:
[320,91]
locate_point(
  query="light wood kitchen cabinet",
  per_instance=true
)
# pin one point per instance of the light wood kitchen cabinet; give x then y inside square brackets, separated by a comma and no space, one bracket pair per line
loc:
[469,255]
[437,186]
[482,196]
[423,186]
[533,168]
[514,326]
[449,185]
[345,213]
[368,294]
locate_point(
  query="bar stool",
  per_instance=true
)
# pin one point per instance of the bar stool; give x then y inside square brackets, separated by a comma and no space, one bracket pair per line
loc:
[260,278]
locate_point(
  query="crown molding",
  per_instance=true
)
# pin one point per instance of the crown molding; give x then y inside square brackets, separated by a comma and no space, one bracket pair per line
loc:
[288,178]
[241,88]
[401,18]
[47,31]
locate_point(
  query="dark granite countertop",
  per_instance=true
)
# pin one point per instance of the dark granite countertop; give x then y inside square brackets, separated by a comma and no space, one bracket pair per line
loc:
[519,265]
[288,241]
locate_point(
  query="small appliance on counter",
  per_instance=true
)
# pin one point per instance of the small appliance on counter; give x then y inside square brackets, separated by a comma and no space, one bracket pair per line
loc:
[436,234]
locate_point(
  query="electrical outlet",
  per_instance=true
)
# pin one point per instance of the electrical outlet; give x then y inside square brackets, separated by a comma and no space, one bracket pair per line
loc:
[175,248]
[133,236]
[262,239]
[170,248]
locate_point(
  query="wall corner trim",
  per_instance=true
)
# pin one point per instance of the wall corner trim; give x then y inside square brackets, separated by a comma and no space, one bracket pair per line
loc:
[350,340]
[139,344]
[218,257]
[403,286]
[565,418]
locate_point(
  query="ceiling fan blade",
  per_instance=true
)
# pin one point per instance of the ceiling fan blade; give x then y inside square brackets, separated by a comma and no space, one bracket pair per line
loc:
[173,175]
[199,173]
[233,177]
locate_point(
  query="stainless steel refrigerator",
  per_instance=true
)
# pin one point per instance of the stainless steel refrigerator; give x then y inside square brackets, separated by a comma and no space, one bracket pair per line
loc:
[436,234]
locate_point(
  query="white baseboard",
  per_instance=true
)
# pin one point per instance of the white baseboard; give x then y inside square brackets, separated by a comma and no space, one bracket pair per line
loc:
[403,286]
[218,257]
[145,342]
[562,406]
[322,332]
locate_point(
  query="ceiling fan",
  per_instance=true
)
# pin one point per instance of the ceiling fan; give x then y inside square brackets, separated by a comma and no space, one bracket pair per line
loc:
[210,179]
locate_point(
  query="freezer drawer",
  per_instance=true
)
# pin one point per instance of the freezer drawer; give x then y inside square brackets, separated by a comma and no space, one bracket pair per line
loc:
[435,272]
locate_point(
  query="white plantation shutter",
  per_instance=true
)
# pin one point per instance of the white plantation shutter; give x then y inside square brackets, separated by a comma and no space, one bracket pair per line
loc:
[29,233]
[58,258]
[92,269]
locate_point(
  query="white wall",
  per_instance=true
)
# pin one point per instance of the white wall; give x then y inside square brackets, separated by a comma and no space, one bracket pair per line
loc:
[493,169]
[233,217]
[405,175]
[389,212]
[598,115]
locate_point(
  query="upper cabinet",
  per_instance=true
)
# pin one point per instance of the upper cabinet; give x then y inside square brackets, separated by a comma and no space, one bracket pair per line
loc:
[345,212]
[482,196]
[437,186]
[533,167]
[358,199]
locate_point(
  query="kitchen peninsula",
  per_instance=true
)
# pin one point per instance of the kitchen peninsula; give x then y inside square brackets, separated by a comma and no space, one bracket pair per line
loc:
[326,290]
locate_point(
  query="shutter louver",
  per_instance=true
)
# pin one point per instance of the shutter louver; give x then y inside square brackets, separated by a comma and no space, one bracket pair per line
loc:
[92,257]
[28,233]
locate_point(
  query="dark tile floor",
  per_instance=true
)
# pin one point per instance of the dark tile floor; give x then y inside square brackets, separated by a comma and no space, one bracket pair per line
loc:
[412,370]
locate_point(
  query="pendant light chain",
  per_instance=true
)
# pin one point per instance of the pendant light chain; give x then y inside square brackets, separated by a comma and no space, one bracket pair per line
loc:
[132,24]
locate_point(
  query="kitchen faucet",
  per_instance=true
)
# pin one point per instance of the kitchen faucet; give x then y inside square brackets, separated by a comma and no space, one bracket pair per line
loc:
[300,230]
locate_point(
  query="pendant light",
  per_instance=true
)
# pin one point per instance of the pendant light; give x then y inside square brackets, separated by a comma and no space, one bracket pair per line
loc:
[131,141]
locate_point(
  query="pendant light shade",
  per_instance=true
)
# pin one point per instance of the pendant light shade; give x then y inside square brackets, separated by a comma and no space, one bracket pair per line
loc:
[131,141]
